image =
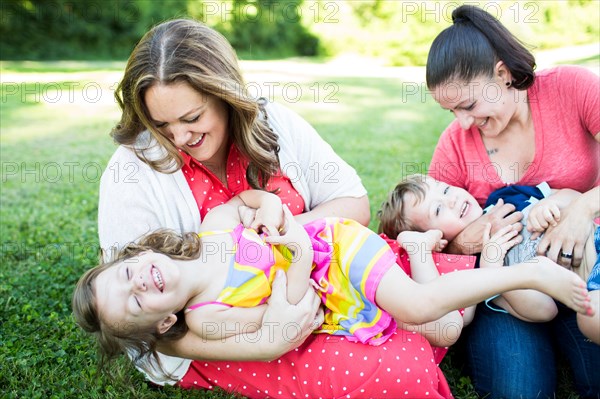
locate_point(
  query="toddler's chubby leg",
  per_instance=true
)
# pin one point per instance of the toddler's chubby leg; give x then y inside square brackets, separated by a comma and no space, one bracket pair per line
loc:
[446,330]
[416,303]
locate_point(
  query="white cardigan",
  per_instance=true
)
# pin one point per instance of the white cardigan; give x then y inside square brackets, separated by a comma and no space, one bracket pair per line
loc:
[135,199]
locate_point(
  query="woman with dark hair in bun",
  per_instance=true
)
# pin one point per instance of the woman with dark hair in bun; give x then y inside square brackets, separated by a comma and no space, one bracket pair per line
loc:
[515,125]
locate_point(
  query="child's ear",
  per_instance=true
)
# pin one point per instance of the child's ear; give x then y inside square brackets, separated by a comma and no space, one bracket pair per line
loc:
[167,323]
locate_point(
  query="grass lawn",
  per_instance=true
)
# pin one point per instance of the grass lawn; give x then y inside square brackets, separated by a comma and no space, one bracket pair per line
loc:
[54,124]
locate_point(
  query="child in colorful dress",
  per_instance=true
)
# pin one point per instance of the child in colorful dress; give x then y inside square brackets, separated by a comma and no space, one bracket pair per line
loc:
[422,203]
[217,285]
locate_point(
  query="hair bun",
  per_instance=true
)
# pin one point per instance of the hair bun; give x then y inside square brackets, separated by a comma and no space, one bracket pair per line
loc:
[459,19]
[461,14]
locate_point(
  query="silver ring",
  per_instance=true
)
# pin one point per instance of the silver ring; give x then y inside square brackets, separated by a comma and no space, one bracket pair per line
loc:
[566,255]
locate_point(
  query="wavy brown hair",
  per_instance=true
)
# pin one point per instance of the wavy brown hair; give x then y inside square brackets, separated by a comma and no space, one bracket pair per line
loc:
[392,215]
[185,50]
[140,342]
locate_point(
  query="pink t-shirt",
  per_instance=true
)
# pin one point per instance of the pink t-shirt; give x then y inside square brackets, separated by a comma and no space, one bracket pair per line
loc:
[565,109]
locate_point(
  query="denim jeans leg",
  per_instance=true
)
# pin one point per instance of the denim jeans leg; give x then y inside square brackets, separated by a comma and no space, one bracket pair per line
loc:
[509,358]
[582,354]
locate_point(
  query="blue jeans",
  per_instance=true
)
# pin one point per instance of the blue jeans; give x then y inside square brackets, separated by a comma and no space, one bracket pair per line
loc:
[509,358]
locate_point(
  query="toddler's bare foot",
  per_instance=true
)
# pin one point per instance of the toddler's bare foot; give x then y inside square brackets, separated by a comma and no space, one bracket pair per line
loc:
[563,285]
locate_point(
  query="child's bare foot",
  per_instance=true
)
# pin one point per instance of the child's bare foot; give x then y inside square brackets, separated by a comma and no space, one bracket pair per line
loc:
[563,285]
[590,326]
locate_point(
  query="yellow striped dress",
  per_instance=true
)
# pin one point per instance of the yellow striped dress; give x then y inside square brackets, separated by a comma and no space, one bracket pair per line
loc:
[349,262]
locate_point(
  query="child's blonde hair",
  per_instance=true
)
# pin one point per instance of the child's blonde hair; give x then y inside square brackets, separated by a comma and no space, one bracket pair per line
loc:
[392,216]
[140,341]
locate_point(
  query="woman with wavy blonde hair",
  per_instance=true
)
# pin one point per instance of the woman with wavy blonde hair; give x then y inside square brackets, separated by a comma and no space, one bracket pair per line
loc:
[191,138]
[184,51]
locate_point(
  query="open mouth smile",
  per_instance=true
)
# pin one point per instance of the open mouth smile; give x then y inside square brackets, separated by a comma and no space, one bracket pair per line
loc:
[464,209]
[157,278]
[197,142]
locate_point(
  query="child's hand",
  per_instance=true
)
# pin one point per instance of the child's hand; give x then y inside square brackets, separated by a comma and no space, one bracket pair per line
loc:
[292,234]
[269,218]
[429,241]
[247,215]
[496,246]
[543,215]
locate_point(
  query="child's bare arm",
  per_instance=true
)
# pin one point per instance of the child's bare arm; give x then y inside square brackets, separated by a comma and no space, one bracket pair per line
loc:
[269,212]
[527,305]
[272,341]
[418,246]
[296,239]
[442,332]
[220,322]
[446,330]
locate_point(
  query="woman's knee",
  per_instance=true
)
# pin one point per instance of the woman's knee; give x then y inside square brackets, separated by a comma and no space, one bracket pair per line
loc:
[509,357]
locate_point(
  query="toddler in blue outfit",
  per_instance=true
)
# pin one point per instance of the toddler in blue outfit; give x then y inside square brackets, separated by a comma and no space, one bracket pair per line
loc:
[422,203]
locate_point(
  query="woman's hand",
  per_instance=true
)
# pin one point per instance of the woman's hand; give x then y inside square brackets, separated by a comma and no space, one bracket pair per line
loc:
[261,211]
[470,240]
[564,243]
[269,217]
[295,238]
[284,327]
[247,215]
[291,234]
[287,325]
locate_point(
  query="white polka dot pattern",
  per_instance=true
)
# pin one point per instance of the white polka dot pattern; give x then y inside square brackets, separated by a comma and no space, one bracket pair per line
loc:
[401,370]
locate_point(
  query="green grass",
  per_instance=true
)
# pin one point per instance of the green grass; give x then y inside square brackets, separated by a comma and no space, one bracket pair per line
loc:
[53,149]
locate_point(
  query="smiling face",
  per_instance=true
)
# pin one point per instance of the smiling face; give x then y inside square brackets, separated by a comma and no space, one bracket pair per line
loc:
[194,122]
[143,290]
[485,103]
[447,208]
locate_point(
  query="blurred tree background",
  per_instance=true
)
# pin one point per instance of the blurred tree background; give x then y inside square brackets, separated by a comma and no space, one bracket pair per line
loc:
[398,32]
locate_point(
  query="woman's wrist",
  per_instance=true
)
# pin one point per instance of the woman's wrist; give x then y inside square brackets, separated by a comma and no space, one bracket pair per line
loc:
[589,203]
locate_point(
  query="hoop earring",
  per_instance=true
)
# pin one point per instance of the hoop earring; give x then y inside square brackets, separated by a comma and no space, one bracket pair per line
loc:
[508,84]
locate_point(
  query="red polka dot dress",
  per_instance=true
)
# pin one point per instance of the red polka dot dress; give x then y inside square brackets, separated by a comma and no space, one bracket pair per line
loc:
[332,367]
[209,191]
[324,366]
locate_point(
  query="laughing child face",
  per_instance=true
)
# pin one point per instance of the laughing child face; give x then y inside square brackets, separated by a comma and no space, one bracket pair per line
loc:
[140,292]
[444,207]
